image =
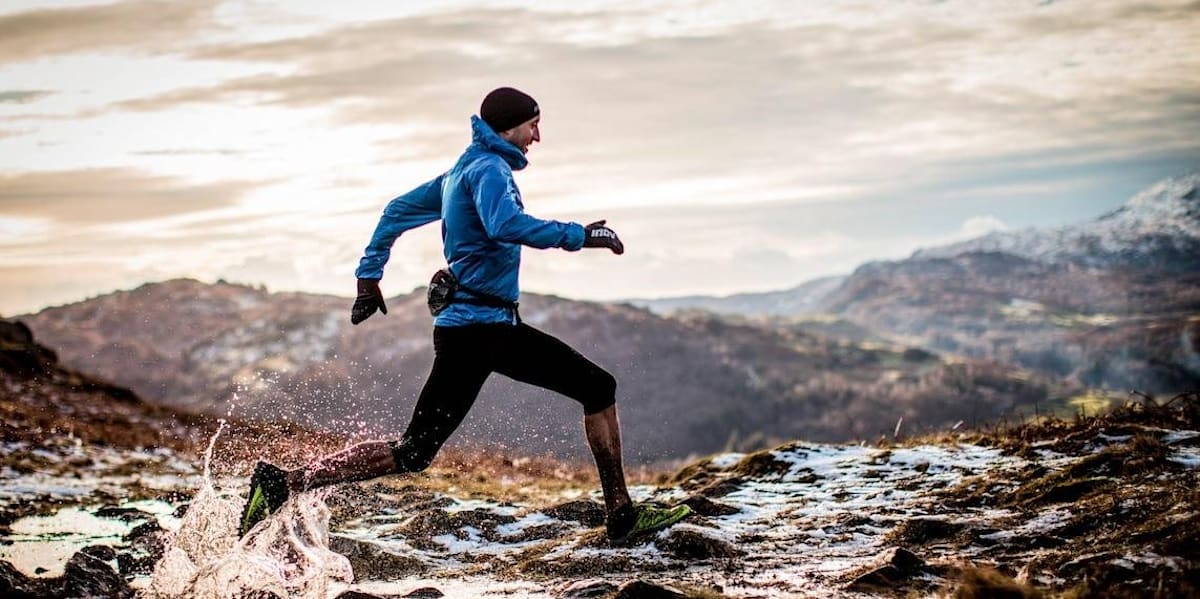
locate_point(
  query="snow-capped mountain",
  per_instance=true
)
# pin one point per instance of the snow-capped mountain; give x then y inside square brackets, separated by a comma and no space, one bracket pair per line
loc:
[1159,227]
[1108,303]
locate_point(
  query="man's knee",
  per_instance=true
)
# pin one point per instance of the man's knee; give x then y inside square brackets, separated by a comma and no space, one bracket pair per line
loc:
[408,456]
[602,395]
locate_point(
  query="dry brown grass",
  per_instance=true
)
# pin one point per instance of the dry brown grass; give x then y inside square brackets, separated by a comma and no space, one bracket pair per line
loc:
[986,583]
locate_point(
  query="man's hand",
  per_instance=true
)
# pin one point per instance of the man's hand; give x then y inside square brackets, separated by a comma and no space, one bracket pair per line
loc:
[596,235]
[369,299]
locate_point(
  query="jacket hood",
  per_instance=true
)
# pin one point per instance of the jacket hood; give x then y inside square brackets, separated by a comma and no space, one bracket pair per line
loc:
[482,135]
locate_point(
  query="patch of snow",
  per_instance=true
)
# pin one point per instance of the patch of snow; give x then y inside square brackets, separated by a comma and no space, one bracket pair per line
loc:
[1173,437]
[518,527]
[726,461]
[455,546]
[466,505]
[1189,457]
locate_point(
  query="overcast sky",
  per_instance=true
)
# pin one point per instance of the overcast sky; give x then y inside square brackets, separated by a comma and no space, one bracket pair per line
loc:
[734,146]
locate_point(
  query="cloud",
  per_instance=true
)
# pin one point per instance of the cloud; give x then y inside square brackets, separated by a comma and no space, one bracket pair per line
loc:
[105,195]
[190,152]
[981,225]
[22,96]
[808,101]
[153,25]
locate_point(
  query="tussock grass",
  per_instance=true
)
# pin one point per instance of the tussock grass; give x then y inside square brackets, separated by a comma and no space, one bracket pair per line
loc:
[986,583]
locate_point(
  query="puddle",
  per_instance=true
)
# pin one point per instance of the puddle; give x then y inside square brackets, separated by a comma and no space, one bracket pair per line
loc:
[41,545]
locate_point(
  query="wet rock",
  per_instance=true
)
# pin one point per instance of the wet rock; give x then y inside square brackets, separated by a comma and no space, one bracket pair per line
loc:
[143,529]
[899,565]
[373,562]
[584,511]
[425,593]
[640,589]
[588,589]
[89,574]
[709,508]
[124,514]
[685,543]
[15,585]
[19,354]
[878,579]
[144,552]
[904,560]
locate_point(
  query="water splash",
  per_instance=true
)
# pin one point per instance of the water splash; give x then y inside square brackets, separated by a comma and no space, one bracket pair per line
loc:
[287,555]
[212,442]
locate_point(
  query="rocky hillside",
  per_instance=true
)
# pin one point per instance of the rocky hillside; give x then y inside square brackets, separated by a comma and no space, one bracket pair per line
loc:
[802,299]
[1113,303]
[695,383]
[1110,303]
[42,401]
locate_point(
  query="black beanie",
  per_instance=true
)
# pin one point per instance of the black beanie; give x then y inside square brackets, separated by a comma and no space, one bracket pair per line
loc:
[504,108]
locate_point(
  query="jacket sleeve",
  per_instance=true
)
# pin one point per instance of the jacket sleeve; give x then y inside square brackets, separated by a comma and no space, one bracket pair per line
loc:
[504,219]
[420,206]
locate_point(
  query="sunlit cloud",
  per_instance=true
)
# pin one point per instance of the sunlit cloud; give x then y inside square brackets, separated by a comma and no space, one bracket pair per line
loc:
[151,25]
[982,225]
[109,195]
[21,96]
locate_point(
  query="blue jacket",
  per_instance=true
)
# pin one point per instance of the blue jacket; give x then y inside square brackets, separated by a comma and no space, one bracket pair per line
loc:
[484,226]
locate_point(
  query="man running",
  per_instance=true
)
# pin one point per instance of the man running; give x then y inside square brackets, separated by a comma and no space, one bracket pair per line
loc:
[478,329]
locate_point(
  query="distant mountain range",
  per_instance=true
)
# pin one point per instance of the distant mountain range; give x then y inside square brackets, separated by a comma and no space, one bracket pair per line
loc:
[1113,302]
[1157,229]
[1008,324]
[691,384]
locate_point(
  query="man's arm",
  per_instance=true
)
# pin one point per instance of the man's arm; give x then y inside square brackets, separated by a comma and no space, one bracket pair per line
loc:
[420,206]
[503,218]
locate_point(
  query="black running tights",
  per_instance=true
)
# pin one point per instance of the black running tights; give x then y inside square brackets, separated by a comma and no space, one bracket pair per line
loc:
[464,357]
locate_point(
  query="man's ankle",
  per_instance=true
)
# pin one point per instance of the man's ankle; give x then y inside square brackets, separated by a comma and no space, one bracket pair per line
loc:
[296,480]
[620,520]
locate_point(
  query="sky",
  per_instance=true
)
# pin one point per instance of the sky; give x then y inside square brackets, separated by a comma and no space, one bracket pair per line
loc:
[734,146]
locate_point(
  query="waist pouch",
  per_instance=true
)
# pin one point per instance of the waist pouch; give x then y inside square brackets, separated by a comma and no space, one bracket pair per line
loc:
[444,289]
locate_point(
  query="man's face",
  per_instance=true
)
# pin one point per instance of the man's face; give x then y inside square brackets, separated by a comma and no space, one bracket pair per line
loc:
[524,134]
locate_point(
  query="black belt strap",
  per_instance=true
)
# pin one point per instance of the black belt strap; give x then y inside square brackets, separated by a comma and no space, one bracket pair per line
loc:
[485,299]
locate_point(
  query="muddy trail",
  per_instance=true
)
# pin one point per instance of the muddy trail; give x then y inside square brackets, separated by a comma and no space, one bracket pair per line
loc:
[1099,506]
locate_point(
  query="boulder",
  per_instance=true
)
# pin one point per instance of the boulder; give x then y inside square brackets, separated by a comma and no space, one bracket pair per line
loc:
[640,589]
[593,588]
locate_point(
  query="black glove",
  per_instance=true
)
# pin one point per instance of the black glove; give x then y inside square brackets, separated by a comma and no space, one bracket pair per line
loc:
[596,235]
[369,299]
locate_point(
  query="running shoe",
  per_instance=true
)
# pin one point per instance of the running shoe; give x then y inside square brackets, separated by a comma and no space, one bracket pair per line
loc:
[630,521]
[268,492]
